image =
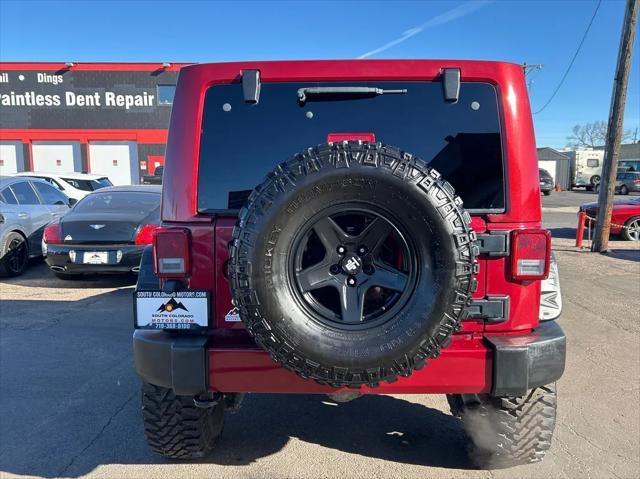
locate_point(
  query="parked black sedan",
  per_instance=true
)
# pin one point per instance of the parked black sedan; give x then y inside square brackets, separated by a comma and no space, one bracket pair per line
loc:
[105,232]
[546,182]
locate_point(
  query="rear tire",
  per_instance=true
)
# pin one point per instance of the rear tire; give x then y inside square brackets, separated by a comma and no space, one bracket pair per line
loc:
[624,190]
[508,431]
[14,255]
[175,428]
[547,193]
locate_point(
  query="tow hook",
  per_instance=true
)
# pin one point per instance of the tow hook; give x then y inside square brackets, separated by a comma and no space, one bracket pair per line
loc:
[207,400]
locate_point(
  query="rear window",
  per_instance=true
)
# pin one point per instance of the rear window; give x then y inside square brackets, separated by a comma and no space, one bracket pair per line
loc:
[119,202]
[241,142]
[88,185]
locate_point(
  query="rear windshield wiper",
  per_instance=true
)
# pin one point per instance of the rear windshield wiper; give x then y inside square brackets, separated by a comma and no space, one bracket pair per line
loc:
[342,93]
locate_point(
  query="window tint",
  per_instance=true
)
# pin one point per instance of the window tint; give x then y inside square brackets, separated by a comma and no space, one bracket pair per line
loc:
[53,183]
[88,185]
[241,142]
[8,197]
[102,183]
[50,195]
[166,94]
[593,163]
[118,202]
[24,193]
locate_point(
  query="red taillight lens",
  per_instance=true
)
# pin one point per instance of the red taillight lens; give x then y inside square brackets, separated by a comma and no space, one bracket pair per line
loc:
[145,235]
[51,234]
[340,137]
[530,254]
[171,252]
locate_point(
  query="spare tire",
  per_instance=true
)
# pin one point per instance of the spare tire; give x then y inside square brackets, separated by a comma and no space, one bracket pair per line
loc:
[353,263]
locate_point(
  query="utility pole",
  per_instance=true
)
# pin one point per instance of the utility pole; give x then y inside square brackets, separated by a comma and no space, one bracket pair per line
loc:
[614,129]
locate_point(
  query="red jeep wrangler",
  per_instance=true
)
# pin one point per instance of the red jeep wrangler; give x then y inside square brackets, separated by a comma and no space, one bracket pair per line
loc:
[348,228]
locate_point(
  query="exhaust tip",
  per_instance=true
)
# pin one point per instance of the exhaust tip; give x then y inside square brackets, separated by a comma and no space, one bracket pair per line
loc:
[135,269]
[57,268]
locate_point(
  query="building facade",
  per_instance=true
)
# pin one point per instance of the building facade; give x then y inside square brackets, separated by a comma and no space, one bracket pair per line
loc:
[557,164]
[104,118]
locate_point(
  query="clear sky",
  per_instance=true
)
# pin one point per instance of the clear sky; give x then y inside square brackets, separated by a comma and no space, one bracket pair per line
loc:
[546,32]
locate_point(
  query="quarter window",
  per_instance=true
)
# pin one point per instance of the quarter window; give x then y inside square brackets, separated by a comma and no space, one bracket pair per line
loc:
[50,195]
[8,197]
[24,193]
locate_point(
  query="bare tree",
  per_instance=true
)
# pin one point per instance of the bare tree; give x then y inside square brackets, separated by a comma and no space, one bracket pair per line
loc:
[591,135]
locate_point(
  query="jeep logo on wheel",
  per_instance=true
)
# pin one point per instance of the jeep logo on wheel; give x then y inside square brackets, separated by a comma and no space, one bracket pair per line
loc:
[352,265]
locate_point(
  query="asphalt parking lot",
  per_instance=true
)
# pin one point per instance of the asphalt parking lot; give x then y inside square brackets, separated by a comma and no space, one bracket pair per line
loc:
[70,398]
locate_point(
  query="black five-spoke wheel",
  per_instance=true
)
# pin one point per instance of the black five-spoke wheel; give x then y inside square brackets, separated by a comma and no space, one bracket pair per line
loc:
[353,267]
[16,257]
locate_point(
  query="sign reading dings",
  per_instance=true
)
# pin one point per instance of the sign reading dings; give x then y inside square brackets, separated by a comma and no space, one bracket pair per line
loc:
[70,98]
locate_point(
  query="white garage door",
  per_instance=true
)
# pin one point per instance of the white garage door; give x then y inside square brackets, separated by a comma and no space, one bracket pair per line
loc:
[10,157]
[56,156]
[116,159]
[550,166]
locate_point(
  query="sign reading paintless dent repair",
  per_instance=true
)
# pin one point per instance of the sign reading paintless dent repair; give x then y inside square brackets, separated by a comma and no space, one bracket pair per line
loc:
[180,310]
[69,98]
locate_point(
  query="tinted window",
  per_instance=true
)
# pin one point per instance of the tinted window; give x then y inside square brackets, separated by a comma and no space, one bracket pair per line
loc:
[8,197]
[102,182]
[50,195]
[118,202]
[88,185]
[166,94]
[241,143]
[24,193]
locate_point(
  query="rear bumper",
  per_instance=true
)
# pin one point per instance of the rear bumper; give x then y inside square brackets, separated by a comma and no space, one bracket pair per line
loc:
[498,365]
[58,259]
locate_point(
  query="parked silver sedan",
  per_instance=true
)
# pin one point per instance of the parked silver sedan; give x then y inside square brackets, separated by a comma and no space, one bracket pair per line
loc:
[27,205]
[627,181]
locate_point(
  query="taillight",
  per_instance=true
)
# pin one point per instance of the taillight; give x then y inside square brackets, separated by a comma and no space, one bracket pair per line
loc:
[51,234]
[636,181]
[530,254]
[171,252]
[145,235]
[340,137]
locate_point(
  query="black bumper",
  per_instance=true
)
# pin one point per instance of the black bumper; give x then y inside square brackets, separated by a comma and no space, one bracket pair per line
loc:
[519,362]
[175,362]
[58,258]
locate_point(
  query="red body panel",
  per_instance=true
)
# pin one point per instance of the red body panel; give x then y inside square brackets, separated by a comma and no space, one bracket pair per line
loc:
[621,213]
[235,362]
[463,367]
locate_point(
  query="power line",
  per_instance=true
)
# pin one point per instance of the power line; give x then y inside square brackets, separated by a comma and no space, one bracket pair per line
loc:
[575,55]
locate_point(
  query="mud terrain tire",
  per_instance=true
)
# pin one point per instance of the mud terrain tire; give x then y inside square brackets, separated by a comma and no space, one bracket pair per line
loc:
[400,193]
[508,431]
[175,427]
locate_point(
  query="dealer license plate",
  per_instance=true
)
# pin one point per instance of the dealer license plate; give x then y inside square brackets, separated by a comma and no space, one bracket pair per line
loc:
[180,310]
[95,257]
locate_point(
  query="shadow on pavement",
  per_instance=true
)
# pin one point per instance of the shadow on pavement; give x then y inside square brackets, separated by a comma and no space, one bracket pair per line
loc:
[563,232]
[39,276]
[380,427]
[624,254]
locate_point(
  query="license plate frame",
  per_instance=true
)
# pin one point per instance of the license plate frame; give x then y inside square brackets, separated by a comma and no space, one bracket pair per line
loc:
[95,257]
[182,310]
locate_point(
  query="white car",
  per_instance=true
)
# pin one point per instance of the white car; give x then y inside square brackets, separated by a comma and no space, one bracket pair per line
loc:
[74,185]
